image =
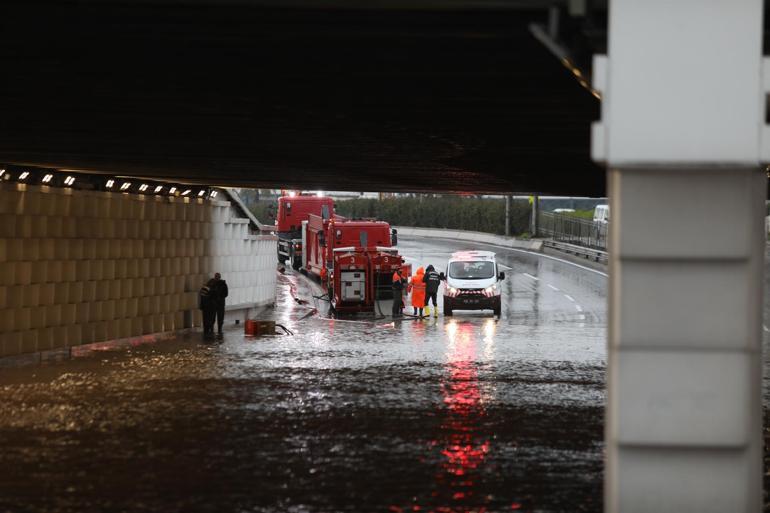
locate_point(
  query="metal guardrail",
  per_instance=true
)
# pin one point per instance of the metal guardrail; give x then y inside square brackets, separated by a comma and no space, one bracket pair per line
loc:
[595,255]
[572,230]
[236,199]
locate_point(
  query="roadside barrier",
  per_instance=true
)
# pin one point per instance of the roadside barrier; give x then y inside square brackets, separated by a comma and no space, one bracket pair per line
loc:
[588,253]
[573,230]
[596,255]
[469,236]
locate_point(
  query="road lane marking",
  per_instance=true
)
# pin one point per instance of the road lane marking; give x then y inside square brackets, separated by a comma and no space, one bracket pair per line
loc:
[765,328]
[530,276]
[505,267]
[553,288]
[548,257]
[578,308]
[569,297]
[534,253]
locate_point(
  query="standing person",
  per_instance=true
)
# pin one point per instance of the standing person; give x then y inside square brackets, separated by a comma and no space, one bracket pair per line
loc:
[219,293]
[206,305]
[432,281]
[398,291]
[418,291]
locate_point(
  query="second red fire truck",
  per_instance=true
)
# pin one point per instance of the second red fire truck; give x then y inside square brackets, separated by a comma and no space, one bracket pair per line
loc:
[355,259]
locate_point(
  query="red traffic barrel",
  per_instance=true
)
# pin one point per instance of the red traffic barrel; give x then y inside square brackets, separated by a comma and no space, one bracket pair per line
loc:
[250,329]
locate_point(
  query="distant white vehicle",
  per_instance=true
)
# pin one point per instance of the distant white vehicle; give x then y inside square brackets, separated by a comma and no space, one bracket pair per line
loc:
[602,214]
[563,210]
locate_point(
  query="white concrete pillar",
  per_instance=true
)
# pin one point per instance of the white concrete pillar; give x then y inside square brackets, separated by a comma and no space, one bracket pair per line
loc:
[684,414]
[683,135]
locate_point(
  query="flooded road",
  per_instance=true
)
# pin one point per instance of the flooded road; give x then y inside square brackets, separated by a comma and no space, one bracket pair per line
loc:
[462,414]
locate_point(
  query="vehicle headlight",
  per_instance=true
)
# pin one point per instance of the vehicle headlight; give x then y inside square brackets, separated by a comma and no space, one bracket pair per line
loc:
[491,290]
[451,291]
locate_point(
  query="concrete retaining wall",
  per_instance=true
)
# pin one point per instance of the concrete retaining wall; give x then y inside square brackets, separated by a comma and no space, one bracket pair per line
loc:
[487,238]
[78,267]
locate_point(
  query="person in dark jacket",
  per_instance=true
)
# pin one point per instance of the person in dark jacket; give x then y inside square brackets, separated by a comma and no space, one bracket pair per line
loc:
[432,281]
[219,293]
[208,311]
[398,292]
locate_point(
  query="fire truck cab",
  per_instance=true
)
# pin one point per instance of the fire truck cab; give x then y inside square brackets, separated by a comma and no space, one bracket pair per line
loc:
[292,212]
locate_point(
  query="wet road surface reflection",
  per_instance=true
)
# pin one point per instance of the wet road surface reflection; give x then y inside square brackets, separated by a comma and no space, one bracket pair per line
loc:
[468,414]
[465,444]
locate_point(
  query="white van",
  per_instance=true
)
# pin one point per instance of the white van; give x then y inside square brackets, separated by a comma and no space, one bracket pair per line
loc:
[602,214]
[472,282]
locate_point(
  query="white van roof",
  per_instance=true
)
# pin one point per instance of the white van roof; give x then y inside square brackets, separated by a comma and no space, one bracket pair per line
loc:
[472,255]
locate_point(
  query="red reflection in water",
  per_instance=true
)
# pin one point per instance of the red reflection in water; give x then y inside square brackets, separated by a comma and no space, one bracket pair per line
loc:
[465,447]
[462,437]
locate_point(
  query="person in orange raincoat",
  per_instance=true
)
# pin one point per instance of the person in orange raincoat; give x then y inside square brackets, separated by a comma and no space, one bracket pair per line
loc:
[417,284]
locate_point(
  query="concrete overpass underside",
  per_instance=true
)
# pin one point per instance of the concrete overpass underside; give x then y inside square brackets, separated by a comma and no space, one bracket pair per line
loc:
[425,99]
[250,94]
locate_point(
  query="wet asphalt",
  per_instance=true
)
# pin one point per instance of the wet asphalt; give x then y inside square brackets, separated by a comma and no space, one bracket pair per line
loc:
[462,414]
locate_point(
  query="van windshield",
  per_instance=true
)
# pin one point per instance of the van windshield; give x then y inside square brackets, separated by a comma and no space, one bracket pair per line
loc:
[480,270]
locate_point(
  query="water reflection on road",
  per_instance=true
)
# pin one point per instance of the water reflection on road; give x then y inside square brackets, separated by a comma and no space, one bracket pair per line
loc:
[464,414]
[465,445]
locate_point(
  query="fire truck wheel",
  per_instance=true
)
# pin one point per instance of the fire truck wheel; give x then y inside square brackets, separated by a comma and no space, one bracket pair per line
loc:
[281,259]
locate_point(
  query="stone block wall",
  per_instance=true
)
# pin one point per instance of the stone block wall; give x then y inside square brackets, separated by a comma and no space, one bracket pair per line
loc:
[78,267]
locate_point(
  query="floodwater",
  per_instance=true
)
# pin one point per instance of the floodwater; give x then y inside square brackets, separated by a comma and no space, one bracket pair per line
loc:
[462,414]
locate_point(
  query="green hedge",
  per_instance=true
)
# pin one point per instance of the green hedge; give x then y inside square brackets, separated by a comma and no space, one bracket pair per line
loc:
[449,212]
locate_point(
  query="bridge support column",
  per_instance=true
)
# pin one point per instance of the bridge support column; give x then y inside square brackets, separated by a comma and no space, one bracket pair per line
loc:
[684,416]
[683,134]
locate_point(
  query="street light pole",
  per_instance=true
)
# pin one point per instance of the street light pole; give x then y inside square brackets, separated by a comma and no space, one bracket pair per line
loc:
[508,216]
[533,217]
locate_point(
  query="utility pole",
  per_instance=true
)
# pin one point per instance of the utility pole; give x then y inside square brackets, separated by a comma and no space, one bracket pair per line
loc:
[533,217]
[508,216]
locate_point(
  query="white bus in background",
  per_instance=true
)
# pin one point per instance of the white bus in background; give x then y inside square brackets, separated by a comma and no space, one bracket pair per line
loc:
[602,214]
[601,223]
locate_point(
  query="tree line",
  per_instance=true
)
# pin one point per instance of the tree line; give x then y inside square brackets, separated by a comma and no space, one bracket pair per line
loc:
[448,212]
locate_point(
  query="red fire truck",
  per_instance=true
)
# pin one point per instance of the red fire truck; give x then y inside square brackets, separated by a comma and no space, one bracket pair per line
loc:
[360,277]
[355,259]
[292,212]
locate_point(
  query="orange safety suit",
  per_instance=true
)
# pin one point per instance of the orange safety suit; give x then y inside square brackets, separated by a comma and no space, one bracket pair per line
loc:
[417,284]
